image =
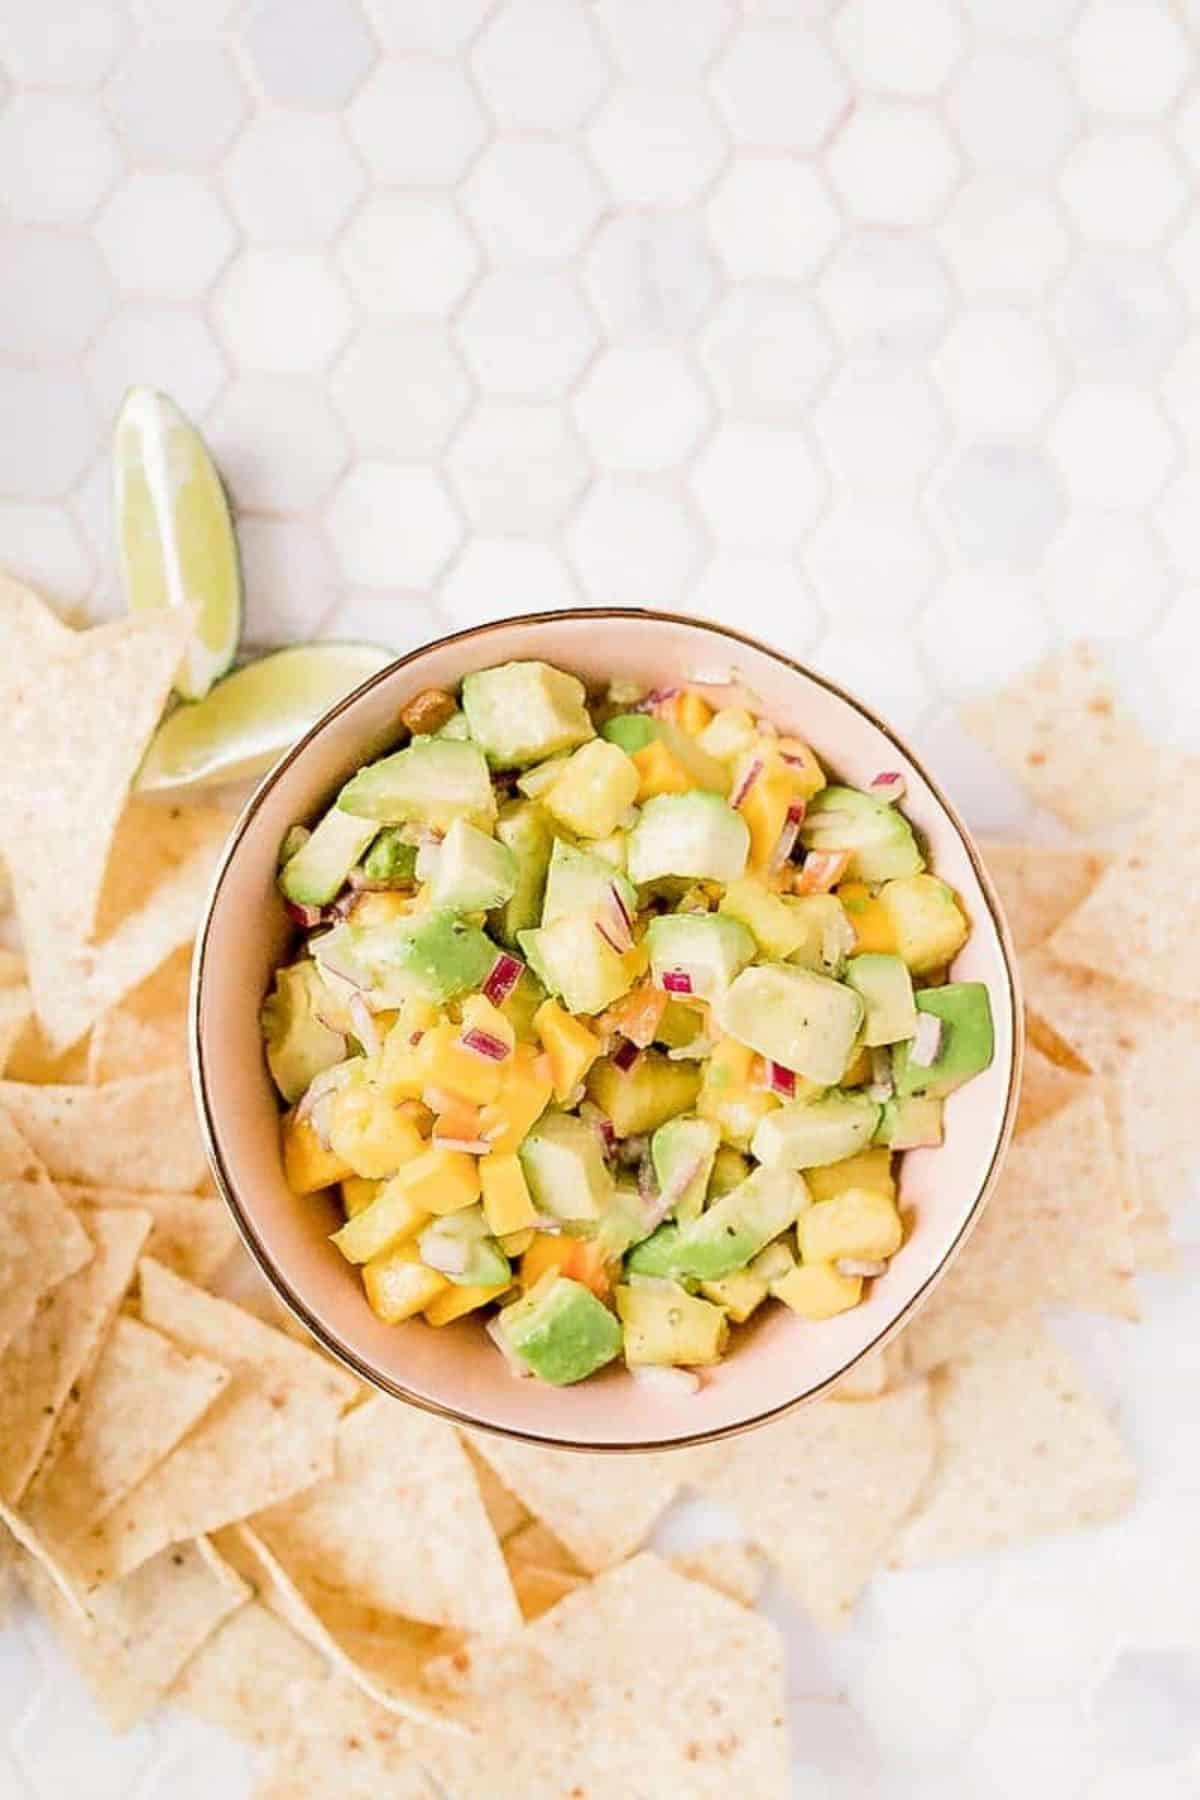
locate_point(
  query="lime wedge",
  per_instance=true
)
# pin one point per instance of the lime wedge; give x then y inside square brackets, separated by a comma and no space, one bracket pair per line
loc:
[254,715]
[176,537]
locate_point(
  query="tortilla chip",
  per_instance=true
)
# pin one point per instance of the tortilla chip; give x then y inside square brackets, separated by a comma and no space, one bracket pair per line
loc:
[735,1570]
[287,1598]
[76,713]
[601,1507]
[138,1133]
[1142,920]
[1153,1246]
[399,1524]
[41,1243]
[144,1629]
[1025,1449]
[268,1436]
[536,1543]
[192,1234]
[1040,885]
[1046,1088]
[503,1509]
[32,1059]
[824,1490]
[1056,1232]
[22,1537]
[148,1029]
[538,1589]
[247,1674]
[640,1683]
[340,1745]
[142,1396]
[1059,731]
[16,1011]
[52,1356]
[876,1374]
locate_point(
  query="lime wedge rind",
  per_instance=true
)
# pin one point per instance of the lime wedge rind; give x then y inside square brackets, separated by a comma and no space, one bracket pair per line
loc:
[250,718]
[177,543]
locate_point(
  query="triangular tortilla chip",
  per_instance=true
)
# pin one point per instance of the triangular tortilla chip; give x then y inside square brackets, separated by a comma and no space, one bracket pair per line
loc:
[1025,1450]
[601,1507]
[824,1491]
[1060,732]
[16,1011]
[76,713]
[538,1588]
[192,1235]
[876,1374]
[431,1553]
[735,1570]
[536,1543]
[138,1133]
[41,1243]
[247,1674]
[1141,922]
[148,1029]
[144,1629]
[641,1683]
[1046,1087]
[1056,1232]
[503,1509]
[1040,884]
[339,1745]
[141,1397]
[54,1353]
[269,1435]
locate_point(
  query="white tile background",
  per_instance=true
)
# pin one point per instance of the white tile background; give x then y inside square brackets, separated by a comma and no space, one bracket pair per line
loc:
[870,326]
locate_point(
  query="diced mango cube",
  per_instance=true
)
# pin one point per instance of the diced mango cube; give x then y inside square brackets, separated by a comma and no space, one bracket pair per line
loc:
[571,1047]
[728,1095]
[392,1216]
[507,1203]
[452,1068]
[402,1068]
[307,1163]
[817,1291]
[515,1243]
[873,928]
[595,790]
[380,908]
[369,1132]
[478,1014]
[858,1222]
[524,1096]
[358,1193]
[870,1169]
[764,804]
[454,1301]
[660,771]
[582,1259]
[806,772]
[441,1181]
[689,711]
[399,1285]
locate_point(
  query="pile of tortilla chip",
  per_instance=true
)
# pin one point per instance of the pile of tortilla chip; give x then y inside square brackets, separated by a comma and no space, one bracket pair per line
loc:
[215,1517]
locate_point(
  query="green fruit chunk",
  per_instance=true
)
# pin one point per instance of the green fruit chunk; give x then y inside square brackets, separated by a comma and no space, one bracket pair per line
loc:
[560,1330]
[966,1045]
[665,1325]
[807,1134]
[299,1042]
[801,1020]
[879,838]
[317,871]
[433,782]
[522,712]
[725,1237]
[474,873]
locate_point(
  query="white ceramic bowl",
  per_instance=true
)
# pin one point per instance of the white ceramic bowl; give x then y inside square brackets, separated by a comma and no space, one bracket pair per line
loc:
[777,1360]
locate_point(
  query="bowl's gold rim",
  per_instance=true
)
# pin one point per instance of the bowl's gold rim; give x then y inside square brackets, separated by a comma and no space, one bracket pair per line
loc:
[257,1250]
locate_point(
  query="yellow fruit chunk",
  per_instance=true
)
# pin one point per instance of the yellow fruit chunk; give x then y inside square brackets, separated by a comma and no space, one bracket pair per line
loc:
[595,790]
[571,1047]
[873,929]
[307,1163]
[926,919]
[644,1097]
[524,1096]
[764,804]
[582,1259]
[402,1069]
[660,771]
[775,925]
[452,1068]
[858,1069]
[441,1181]
[691,713]
[817,1291]
[454,1301]
[727,1095]
[399,1285]
[369,1132]
[357,1194]
[857,1222]
[870,1169]
[380,909]
[807,774]
[515,1243]
[507,1205]
[478,1014]
[392,1216]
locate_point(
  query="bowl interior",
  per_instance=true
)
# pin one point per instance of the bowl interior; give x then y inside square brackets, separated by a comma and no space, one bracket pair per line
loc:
[781,1358]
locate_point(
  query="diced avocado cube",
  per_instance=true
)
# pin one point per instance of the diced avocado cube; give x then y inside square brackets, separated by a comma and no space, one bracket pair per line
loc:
[461,1247]
[315,874]
[879,837]
[828,935]
[887,992]
[803,1021]
[630,732]
[536,783]
[697,836]
[561,1330]
[433,782]
[665,1325]
[682,1152]
[523,712]
[565,1169]
[778,929]
[966,1045]
[299,1043]
[579,882]
[525,830]
[474,873]
[429,955]
[926,921]
[642,1098]
[390,862]
[705,947]
[725,1237]
[456,726]
[911,1123]
[571,959]
[808,1133]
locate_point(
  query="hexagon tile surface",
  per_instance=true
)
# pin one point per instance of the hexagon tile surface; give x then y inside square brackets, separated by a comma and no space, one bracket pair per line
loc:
[871,325]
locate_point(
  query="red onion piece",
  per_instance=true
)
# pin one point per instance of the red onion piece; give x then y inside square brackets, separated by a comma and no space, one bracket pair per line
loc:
[655,697]
[927,1042]
[611,939]
[781,1081]
[601,1124]
[792,760]
[747,782]
[681,1181]
[670,1383]
[324,1083]
[365,1028]
[484,1044]
[495,1331]
[865,1266]
[786,841]
[677,981]
[503,977]
[889,786]
[821,871]
[304,916]
[625,1055]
